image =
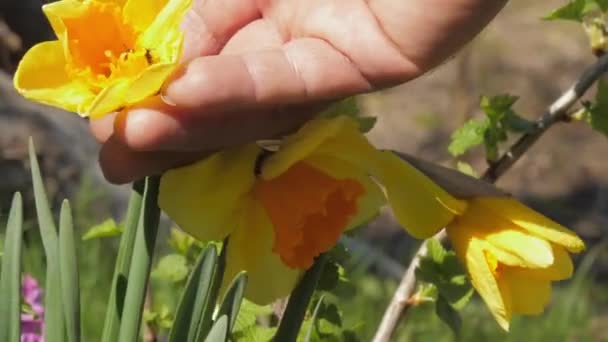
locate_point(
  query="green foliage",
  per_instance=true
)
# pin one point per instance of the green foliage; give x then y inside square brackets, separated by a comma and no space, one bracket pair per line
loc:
[467,169]
[441,269]
[10,276]
[107,228]
[493,129]
[577,10]
[348,107]
[172,267]
[596,113]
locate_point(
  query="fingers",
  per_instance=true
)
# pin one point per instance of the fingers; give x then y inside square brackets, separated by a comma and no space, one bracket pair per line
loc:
[211,23]
[434,29]
[306,69]
[122,165]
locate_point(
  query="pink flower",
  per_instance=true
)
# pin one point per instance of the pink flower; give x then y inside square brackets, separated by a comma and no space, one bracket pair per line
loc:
[32,322]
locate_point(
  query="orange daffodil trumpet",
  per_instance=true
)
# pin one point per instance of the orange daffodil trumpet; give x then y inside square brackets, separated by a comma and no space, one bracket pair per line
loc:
[512,255]
[109,54]
[283,209]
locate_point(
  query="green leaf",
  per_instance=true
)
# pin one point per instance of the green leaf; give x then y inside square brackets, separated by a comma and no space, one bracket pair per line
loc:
[107,228]
[313,320]
[10,278]
[68,269]
[141,260]
[602,4]
[598,112]
[574,10]
[172,267]
[366,123]
[448,315]
[232,300]
[123,262]
[219,331]
[255,333]
[347,106]
[467,169]
[516,123]
[195,298]
[249,313]
[471,134]
[436,251]
[54,327]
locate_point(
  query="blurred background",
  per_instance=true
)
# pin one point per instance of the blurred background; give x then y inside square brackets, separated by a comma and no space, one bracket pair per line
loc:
[564,175]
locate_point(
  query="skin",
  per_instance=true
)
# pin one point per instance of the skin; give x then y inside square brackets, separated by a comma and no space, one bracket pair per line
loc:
[255,69]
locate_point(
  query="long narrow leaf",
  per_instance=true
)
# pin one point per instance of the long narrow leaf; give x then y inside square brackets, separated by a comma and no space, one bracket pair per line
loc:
[139,272]
[68,269]
[193,300]
[54,328]
[314,320]
[219,331]
[10,280]
[205,321]
[123,262]
[298,302]
[233,299]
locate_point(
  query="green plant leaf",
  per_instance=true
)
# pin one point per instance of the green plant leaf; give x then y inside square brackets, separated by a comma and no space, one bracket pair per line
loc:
[219,331]
[107,228]
[574,10]
[68,269]
[172,267]
[54,327]
[123,262]
[347,106]
[471,134]
[436,251]
[313,320]
[139,271]
[232,300]
[467,169]
[448,315]
[366,123]
[10,278]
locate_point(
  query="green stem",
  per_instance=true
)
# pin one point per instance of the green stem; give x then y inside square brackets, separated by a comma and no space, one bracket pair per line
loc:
[139,271]
[298,302]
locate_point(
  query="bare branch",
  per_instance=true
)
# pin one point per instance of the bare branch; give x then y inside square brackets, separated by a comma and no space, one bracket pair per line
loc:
[557,112]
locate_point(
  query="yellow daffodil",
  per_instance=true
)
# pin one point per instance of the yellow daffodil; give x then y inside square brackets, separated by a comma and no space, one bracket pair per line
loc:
[283,209]
[109,54]
[512,255]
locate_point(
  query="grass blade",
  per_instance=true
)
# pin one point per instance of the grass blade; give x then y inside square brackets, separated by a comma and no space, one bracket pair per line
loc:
[298,302]
[233,299]
[194,299]
[68,270]
[139,272]
[219,331]
[123,262]
[314,320]
[54,328]
[205,321]
[10,280]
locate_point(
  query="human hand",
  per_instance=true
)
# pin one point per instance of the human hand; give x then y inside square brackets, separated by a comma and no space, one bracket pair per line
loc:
[259,69]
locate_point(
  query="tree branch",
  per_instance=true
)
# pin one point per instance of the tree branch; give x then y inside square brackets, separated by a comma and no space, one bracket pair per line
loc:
[558,111]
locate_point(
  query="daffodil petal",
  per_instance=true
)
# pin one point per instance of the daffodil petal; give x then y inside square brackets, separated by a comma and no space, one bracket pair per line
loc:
[370,203]
[529,295]
[41,77]
[58,10]
[110,99]
[495,293]
[250,249]
[204,198]
[534,222]
[421,207]
[562,268]
[141,13]
[301,144]
[163,36]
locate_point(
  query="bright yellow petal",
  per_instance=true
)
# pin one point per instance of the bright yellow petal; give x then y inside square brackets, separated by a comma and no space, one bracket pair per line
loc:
[301,144]
[562,268]
[126,92]
[421,207]
[535,251]
[41,76]
[56,11]
[205,198]
[250,250]
[529,295]
[164,36]
[370,203]
[534,222]
[495,293]
[141,13]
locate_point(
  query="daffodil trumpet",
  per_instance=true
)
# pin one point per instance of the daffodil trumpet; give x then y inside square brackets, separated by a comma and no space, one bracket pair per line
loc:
[109,54]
